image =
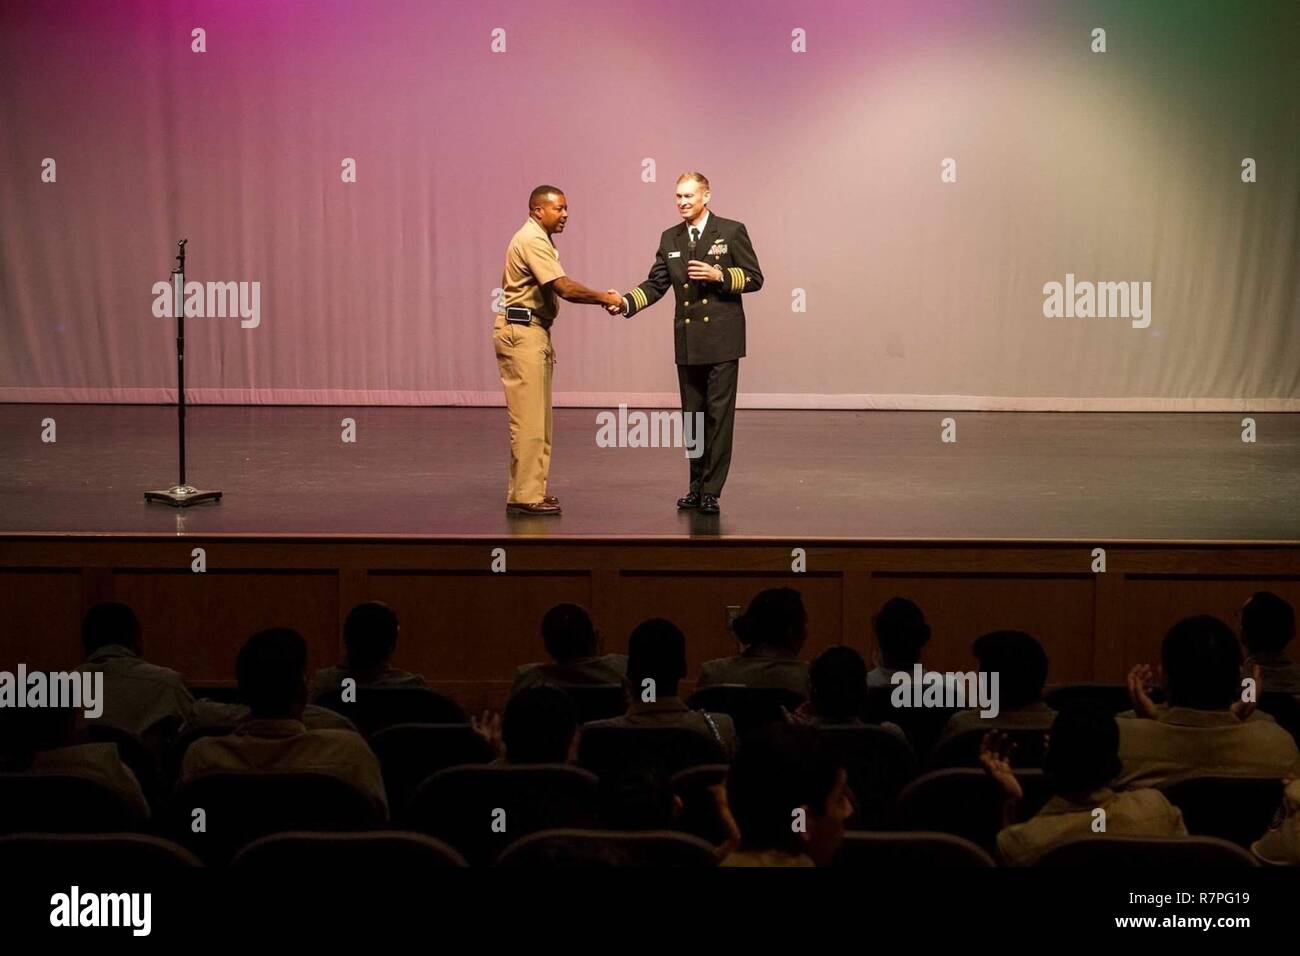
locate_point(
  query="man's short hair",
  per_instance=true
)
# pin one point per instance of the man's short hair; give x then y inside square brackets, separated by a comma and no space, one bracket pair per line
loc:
[272,669]
[837,680]
[1083,750]
[536,197]
[1020,663]
[370,634]
[775,618]
[698,177]
[901,632]
[568,633]
[778,768]
[1202,663]
[539,725]
[1267,623]
[657,649]
[110,623]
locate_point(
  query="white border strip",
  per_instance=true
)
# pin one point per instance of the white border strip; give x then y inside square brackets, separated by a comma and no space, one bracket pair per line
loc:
[773,400]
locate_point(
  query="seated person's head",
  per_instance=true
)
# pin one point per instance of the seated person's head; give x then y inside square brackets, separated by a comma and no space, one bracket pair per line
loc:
[656,651]
[1083,750]
[1202,664]
[901,632]
[1020,663]
[106,624]
[370,636]
[272,673]
[837,681]
[775,620]
[568,633]
[1267,624]
[540,726]
[781,768]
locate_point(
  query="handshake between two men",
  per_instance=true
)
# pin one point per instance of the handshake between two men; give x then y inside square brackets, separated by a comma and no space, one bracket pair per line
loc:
[696,271]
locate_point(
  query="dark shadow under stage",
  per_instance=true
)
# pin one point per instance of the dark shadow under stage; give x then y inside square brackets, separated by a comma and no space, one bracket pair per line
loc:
[841,475]
[1004,528]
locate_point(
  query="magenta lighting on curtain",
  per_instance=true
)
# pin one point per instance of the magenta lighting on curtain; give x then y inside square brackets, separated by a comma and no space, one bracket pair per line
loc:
[1115,167]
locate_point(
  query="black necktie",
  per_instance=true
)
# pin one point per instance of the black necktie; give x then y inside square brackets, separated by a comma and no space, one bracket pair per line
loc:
[694,236]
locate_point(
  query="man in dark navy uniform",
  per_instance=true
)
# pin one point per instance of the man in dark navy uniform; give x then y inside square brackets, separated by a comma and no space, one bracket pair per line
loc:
[710,263]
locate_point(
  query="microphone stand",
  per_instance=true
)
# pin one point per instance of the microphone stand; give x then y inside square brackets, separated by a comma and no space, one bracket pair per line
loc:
[180,494]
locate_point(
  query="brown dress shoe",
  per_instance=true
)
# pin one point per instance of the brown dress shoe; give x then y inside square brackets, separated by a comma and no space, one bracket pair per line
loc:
[550,500]
[537,508]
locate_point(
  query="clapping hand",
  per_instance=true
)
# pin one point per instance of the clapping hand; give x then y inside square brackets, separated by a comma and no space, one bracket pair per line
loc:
[695,269]
[489,728]
[995,757]
[1141,681]
[803,714]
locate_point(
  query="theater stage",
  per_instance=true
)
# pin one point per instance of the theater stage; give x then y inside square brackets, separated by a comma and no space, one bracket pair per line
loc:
[840,475]
[999,529]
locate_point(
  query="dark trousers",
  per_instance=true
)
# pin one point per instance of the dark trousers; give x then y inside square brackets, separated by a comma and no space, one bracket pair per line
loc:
[710,389]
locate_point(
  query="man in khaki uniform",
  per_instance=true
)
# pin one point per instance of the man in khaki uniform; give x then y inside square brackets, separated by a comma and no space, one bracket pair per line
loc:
[530,284]
[1081,761]
[656,663]
[272,673]
[1206,729]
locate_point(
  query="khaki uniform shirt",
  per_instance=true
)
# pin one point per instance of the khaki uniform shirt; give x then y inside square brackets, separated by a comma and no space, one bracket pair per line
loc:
[287,746]
[582,672]
[1281,846]
[138,695]
[1142,813]
[673,712]
[756,670]
[1036,716]
[329,679]
[1187,743]
[216,713]
[766,858]
[1275,674]
[97,762]
[532,261]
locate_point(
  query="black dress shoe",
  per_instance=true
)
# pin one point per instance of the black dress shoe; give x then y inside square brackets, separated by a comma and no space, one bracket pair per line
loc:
[538,508]
[708,504]
[689,501]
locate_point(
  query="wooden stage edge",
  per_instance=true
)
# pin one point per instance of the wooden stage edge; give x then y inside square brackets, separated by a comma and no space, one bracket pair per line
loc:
[623,540]
[466,626]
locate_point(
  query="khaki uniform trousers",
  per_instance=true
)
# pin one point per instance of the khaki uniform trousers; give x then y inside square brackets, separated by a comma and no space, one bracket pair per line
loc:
[526,361]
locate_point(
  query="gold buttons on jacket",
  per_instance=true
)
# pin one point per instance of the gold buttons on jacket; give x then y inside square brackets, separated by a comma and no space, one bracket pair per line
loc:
[685,304]
[706,318]
[704,302]
[688,321]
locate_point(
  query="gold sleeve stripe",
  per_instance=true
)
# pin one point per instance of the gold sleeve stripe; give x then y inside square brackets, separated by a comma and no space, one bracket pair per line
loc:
[639,297]
[737,278]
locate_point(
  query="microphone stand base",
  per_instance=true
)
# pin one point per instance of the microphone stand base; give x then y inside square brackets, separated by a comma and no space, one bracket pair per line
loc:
[182,496]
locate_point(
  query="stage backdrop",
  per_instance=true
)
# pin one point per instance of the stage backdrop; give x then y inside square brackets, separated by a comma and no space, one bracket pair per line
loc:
[914,175]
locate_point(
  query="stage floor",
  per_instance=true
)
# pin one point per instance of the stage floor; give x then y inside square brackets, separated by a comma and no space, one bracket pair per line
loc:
[844,475]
